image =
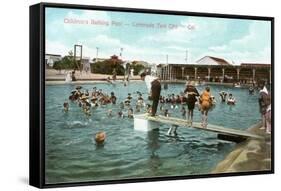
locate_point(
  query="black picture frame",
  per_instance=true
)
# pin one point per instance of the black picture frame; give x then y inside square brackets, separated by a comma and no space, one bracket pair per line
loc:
[37,93]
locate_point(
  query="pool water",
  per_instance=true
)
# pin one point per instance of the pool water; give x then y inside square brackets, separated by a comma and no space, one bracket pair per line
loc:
[73,156]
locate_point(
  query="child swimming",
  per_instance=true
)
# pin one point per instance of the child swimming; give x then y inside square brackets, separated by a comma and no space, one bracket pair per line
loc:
[131,113]
[65,106]
[223,95]
[166,113]
[231,100]
[113,98]
[120,114]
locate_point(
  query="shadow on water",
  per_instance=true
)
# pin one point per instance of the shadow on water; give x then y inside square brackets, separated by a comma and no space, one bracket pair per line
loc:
[99,146]
[153,140]
[154,161]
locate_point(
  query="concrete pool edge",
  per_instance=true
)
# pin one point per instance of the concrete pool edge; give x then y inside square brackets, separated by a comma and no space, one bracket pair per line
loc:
[62,82]
[250,155]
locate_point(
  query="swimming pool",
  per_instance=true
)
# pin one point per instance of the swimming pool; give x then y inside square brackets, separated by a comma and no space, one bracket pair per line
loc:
[73,156]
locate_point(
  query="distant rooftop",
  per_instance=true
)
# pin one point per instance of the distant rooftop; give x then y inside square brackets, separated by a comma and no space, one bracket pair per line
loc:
[216,60]
[255,65]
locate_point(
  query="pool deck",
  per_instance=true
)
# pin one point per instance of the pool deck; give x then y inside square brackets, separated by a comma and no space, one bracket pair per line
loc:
[251,155]
[56,77]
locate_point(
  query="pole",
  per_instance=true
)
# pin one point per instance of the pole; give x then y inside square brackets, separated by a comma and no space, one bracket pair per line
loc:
[121,51]
[97,54]
[186,55]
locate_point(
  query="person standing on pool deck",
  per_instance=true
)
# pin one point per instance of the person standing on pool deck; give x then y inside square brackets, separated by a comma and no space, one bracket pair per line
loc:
[191,94]
[205,104]
[264,102]
[154,87]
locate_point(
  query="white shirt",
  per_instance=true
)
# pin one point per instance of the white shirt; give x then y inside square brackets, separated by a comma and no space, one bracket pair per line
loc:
[148,79]
[264,90]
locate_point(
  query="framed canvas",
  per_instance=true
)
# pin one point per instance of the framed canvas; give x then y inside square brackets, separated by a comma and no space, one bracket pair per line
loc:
[122,95]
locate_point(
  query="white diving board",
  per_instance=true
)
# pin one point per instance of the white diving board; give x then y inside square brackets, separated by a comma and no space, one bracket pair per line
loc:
[144,122]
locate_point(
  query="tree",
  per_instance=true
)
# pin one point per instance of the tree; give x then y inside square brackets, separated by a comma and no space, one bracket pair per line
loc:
[67,62]
[107,66]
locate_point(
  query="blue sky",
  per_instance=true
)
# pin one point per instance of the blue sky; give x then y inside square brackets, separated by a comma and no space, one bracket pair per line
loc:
[235,40]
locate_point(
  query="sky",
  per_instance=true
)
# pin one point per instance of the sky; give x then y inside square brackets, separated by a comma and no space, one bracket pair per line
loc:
[157,38]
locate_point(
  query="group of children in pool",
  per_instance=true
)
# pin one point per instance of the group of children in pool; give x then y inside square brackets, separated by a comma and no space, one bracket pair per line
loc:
[186,99]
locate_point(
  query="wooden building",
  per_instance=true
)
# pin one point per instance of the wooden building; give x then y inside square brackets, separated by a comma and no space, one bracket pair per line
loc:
[212,69]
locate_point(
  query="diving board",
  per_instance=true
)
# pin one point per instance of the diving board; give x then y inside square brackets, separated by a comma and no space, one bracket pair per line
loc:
[144,122]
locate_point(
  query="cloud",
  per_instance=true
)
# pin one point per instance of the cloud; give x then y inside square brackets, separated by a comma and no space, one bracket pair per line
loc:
[209,36]
[252,47]
[109,45]
[54,47]
[176,41]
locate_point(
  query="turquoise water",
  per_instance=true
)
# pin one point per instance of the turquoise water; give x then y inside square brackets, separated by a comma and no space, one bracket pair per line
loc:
[73,156]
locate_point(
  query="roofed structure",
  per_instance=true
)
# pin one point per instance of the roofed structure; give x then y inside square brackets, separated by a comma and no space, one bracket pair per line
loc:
[210,60]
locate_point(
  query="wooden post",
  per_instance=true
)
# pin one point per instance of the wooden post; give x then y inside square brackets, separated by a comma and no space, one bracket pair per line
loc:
[238,73]
[167,72]
[223,74]
[195,73]
[209,74]
[170,72]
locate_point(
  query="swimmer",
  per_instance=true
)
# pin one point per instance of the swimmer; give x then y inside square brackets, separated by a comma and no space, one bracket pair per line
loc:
[78,87]
[178,99]
[140,97]
[223,96]
[109,113]
[138,106]
[65,107]
[120,114]
[131,113]
[162,99]
[168,99]
[87,111]
[94,93]
[161,107]
[166,113]
[79,103]
[213,100]
[129,96]
[183,112]
[127,102]
[231,100]
[174,106]
[251,90]
[122,105]
[125,82]
[148,108]
[113,98]
[100,137]
[86,93]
